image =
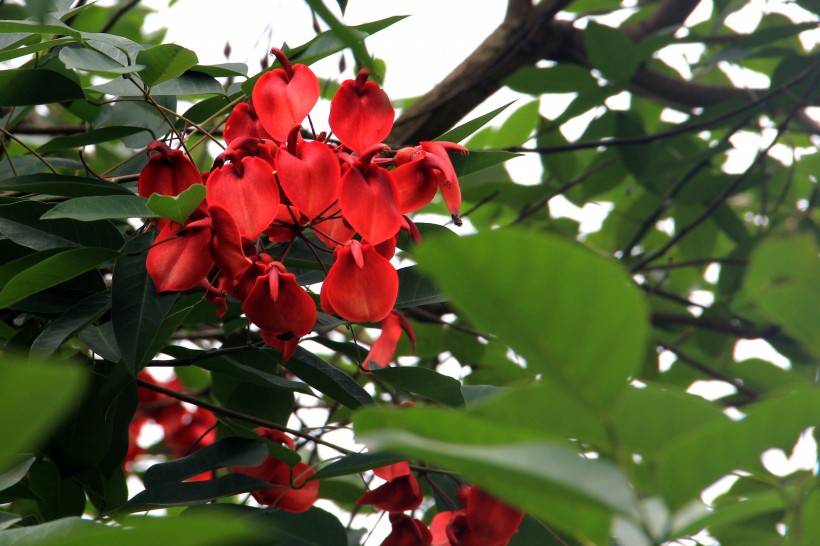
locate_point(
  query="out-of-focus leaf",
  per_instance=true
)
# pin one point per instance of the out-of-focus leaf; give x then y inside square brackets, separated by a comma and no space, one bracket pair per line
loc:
[87,310]
[107,207]
[178,207]
[30,86]
[556,335]
[416,289]
[612,52]
[16,473]
[165,62]
[562,78]
[53,271]
[25,385]
[95,136]
[225,453]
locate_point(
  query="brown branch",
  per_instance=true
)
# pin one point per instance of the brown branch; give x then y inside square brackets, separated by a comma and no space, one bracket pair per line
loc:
[709,372]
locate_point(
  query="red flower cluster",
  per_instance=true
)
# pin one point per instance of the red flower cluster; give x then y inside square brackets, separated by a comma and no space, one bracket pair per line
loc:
[483,521]
[354,196]
[185,429]
[295,493]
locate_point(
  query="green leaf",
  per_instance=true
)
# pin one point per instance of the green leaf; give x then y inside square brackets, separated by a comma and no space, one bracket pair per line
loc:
[16,473]
[457,134]
[427,383]
[30,384]
[89,209]
[30,86]
[91,60]
[222,70]
[102,341]
[189,493]
[475,161]
[62,185]
[21,223]
[518,128]
[549,481]
[355,464]
[53,271]
[137,309]
[257,399]
[416,289]
[612,52]
[562,78]
[552,327]
[754,504]
[782,280]
[178,208]
[94,136]
[165,62]
[327,379]
[225,453]
[77,317]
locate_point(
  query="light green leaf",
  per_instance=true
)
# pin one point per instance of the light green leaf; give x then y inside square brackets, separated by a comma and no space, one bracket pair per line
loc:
[178,208]
[165,62]
[583,323]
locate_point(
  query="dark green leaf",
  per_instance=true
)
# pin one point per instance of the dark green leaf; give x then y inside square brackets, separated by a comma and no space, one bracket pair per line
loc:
[30,86]
[102,341]
[165,62]
[612,52]
[466,129]
[257,399]
[225,453]
[355,464]
[475,161]
[89,209]
[87,310]
[189,493]
[222,70]
[16,473]
[62,185]
[416,289]
[93,61]
[179,207]
[21,223]
[427,383]
[53,271]
[327,379]
[137,309]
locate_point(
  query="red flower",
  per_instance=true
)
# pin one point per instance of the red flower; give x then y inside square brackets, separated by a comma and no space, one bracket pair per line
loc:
[247,190]
[369,199]
[285,96]
[309,173]
[295,493]
[360,113]
[168,172]
[361,285]
[407,532]
[401,492]
[484,521]
[179,258]
[243,122]
[278,304]
[382,351]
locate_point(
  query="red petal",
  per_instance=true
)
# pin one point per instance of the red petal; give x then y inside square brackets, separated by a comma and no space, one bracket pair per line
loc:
[417,185]
[333,232]
[370,202]
[282,103]
[251,198]
[401,494]
[489,518]
[382,351]
[226,244]
[360,114]
[178,261]
[393,471]
[243,122]
[168,172]
[407,532]
[310,178]
[292,314]
[365,294]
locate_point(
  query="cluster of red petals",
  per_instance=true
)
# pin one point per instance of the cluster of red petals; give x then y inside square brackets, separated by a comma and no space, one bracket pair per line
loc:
[293,493]
[483,521]
[272,185]
[185,429]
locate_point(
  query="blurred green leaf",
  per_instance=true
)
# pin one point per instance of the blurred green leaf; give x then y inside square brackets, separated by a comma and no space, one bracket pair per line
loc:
[612,52]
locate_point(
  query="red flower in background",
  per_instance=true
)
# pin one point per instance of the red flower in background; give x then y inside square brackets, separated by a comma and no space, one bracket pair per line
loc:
[295,493]
[407,532]
[401,492]
[484,521]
